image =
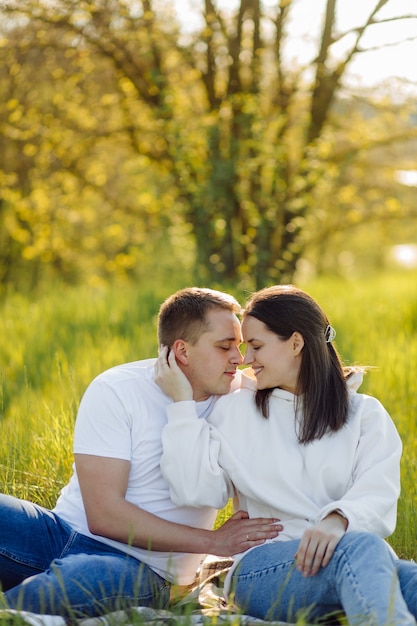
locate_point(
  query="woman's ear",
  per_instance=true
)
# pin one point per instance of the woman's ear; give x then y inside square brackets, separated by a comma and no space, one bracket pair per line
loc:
[180,350]
[297,343]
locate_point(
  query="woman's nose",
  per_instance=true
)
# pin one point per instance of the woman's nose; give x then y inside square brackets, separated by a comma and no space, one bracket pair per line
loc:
[237,357]
[248,358]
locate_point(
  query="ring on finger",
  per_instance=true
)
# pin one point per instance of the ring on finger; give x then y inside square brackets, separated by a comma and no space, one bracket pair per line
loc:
[247,538]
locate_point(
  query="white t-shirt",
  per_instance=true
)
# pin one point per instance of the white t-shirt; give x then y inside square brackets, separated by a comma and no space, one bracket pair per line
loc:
[122,415]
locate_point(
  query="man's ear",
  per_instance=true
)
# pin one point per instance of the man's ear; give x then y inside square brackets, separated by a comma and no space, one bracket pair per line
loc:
[297,343]
[180,349]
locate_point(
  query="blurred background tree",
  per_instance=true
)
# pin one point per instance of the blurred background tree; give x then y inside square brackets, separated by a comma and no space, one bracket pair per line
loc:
[129,144]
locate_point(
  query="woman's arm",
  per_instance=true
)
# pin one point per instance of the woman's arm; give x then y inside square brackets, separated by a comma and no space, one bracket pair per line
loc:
[189,461]
[318,543]
[370,502]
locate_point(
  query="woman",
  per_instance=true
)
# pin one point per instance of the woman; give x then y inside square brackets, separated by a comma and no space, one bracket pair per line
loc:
[304,448]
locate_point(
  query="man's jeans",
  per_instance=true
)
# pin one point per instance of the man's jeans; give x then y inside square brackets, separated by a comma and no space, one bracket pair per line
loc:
[364,579]
[46,567]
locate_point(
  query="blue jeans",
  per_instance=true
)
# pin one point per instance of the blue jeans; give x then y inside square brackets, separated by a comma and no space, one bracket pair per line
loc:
[46,567]
[363,579]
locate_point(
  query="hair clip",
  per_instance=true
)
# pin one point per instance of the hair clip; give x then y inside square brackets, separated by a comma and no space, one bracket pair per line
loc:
[329,333]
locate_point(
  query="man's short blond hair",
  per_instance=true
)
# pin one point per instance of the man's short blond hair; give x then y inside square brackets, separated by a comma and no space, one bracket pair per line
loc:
[183,315]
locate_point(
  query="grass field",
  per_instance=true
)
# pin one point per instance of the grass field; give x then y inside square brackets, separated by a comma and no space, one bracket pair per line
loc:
[52,346]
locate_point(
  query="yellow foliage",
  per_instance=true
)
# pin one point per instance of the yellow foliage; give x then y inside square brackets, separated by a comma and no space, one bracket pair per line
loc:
[13,103]
[41,200]
[127,86]
[29,253]
[353,216]
[96,173]
[393,205]
[106,173]
[21,235]
[29,149]
[58,72]
[58,243]
[125,261]
[16,116]
[46,256]
[108,99]
[347,194]
[115,232]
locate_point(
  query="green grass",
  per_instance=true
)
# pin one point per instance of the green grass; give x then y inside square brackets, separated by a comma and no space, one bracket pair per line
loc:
[51,349]
[54,345]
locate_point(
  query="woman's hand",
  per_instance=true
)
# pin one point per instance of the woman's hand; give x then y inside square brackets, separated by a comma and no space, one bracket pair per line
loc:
[170,377]
[318,544]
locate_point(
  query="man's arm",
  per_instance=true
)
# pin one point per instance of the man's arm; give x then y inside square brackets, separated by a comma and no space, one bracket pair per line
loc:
[103,482]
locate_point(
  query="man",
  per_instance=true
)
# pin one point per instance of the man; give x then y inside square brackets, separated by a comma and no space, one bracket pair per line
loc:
[115,539]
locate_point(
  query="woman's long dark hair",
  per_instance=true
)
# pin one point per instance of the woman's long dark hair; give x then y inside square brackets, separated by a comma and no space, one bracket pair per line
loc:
[285,309]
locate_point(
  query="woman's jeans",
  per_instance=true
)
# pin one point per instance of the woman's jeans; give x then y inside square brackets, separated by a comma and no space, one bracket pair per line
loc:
[364,579]
[46,567]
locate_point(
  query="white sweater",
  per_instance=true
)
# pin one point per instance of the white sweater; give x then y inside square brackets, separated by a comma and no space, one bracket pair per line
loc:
[356,470]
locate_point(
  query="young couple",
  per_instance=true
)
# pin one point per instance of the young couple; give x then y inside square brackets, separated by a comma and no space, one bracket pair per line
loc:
[315,467]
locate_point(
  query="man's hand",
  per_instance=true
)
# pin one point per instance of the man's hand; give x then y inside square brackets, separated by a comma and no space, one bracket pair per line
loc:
[318,544]
[170,378]
[240,533]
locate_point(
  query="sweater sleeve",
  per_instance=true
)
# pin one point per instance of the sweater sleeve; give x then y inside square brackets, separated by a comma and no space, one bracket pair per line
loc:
[189,461]
[370,503]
